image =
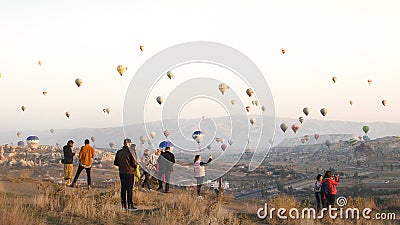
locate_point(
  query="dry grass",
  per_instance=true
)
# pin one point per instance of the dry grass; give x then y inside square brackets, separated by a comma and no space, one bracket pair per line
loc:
[14,212]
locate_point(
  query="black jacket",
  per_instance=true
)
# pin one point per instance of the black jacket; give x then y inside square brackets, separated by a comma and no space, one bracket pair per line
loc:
[68,155]
[125,161]
[166,161]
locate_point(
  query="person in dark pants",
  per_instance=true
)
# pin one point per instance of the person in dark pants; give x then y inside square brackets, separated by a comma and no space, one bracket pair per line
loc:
[147,167]
[331,184]
[166,162]
[86,155]
[127,168]
[200,172]
[317,190]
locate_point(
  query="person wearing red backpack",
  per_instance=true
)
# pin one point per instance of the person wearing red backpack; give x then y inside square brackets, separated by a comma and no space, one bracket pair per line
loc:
[328,188]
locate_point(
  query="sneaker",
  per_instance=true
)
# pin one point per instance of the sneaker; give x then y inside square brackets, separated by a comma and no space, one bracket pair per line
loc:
[200,197]
[151,190]
[133,209]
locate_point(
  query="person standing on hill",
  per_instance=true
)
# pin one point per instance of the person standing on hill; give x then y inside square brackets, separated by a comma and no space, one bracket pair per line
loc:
[166,163]
[200,172]
[328,188]
[127,168]
[147,167]
[68,162]
[317,190]
[86,155]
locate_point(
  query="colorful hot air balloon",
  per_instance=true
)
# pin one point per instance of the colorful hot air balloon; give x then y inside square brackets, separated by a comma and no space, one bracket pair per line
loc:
[249,92]
[324,111]
[365,129]
[67,114]
[141,48]
[303,140]
[252,121]
[328,143]
[334,79]
[306,111]
[223,147]
[301,119]
[170,74]
[78,82]
[33,142]
[233,102]
[167,133]
[23,108]
[295,128]
[263,108]
[218,139]
[152,134]
[316,136]
[40,62]
[307,137]
[284,127]
[121,69]
[283,51]
[369,81]
[160,100]
[198,136]
[44,93]
[19,134]
[223,87]
[93,138]
[384,102]
[248,108]
[351,102]
[143,139]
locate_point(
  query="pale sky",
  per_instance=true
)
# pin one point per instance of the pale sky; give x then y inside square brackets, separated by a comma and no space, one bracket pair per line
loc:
[353,40]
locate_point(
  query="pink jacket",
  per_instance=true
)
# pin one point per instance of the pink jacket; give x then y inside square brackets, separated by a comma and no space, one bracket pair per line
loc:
[199,170]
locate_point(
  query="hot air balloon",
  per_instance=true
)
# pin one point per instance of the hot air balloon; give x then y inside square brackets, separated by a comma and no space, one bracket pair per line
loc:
[351,102]
[334,79]
[324,111]
[248,108]
[121,69]
[284,127]
[21,143]
[252,121]
[303,140]
[365,129]
[170,75]
[108,110]
[33,142]
[366,138]
[165,144]
[23,108]
[111,144]
[223,147]
[249,92]
[152,134]
[306,111]
[44,93]
[209,147]
[254,103]
[40,63]
[233,102]
[295,128]
[51,130]
[328,143]
[78,82]
[301,119]
[222,140]
[248,140]
[283,51]
[141,48]
[167,133]
[369,81]
[0,75]
[223,87]
[19,134]
[230,142]
[198,136]
[93,138]
[143,139]
[316,136]
[218,139]
[160,100]
[263,108]
[384,102]
[67,114]
[353,141]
